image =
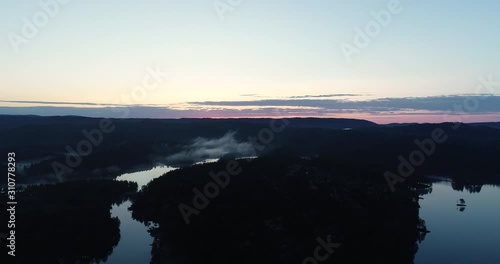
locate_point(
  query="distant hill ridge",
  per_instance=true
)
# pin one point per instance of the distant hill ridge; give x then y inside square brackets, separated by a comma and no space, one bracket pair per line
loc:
[13,121]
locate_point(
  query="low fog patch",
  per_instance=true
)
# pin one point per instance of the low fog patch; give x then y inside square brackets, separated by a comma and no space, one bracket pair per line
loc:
[203,148]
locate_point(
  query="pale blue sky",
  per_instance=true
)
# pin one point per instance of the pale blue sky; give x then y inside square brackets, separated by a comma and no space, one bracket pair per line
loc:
[95,51]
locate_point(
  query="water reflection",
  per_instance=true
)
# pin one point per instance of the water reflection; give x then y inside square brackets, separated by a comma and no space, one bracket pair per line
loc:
[459,235]
[64,224]
[135,243]
[471,188]
[145,176]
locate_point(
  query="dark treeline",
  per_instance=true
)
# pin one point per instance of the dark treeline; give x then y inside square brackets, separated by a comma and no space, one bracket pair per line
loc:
[314,180]
[276,208]
[67,222]
[469,155]
[133,143]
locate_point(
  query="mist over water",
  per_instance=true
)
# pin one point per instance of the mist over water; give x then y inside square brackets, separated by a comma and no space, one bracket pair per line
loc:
[204,148]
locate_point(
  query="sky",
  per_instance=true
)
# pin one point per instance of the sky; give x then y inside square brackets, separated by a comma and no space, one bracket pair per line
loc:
[417,61]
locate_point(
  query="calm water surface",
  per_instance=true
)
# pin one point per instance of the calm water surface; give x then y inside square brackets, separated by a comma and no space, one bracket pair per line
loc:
[135,241]
[468,236]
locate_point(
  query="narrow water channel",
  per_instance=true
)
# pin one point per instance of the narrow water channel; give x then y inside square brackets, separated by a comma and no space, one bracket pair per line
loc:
[135,241]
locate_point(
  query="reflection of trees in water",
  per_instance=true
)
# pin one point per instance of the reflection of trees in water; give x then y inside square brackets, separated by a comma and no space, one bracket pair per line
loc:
[471,188]
[424,191]
[457,186]
[422,230]
[270,214]
[69,222]
[474,188]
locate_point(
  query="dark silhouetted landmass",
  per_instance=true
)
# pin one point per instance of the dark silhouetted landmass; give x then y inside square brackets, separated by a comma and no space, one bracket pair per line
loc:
[67,222]
[471,151]
[276,208]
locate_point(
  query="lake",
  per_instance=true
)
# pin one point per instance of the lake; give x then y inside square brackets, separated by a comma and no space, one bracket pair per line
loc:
[458,235]
[468,236]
